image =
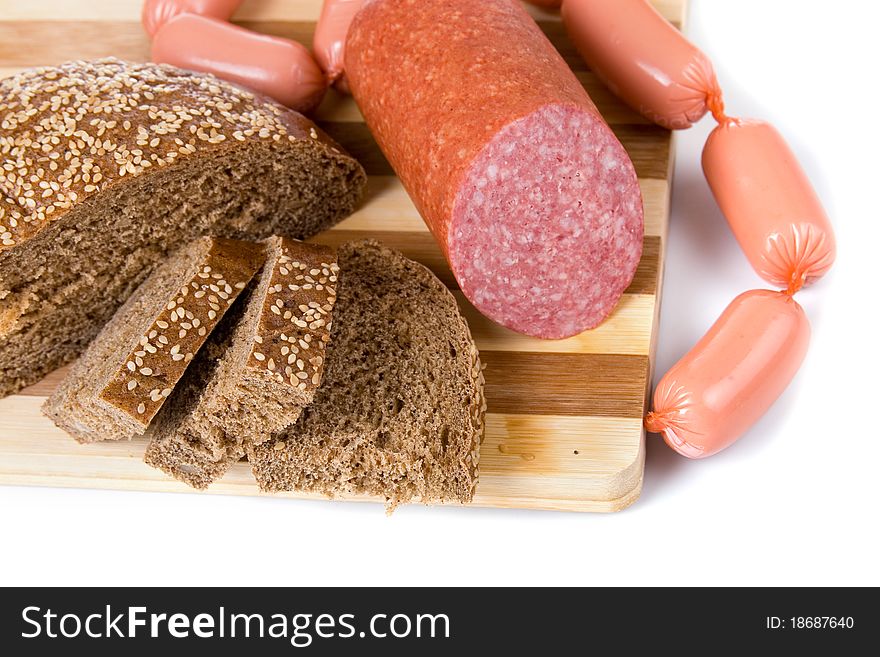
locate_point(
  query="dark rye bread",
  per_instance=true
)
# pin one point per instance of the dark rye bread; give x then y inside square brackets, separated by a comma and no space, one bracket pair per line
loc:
[108,166]
[257,373]
[120,383]
[400,412]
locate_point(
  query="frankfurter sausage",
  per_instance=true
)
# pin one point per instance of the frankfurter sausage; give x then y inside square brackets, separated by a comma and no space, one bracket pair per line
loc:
[531,197]
[330,34]
[769,203]
[732,376]
[280,68]
[155,13]
[643,59]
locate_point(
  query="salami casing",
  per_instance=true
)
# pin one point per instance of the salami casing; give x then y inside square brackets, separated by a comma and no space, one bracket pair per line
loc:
[532,198]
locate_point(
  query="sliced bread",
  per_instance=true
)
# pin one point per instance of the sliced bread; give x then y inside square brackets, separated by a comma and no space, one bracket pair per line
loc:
[259,371]
[400,412]
[118,386]
[108,166]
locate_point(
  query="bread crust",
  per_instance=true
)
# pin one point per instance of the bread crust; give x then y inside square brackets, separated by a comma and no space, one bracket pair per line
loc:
[106,167]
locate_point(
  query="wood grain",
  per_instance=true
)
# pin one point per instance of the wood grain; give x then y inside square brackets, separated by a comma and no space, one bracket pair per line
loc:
[564,425]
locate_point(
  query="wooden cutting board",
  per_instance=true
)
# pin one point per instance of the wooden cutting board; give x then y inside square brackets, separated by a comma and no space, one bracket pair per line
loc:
[564,425]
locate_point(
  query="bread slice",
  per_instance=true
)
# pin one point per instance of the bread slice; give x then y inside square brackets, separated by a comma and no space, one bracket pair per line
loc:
[109,166]
[118,386]
[258,373]
[400,412]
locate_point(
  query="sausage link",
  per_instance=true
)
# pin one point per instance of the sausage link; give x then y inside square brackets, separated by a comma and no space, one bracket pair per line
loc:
[643,59]
[732,376]
[155,13]
[280,68]
[330,35]
[769,203]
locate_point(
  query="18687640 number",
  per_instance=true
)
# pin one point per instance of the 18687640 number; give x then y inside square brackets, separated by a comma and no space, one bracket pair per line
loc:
[811,623]
[821,622]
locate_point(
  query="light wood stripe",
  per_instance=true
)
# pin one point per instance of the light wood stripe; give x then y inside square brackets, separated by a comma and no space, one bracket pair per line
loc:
[514,461]
[421,246]
[513,443]
[626,331]
[565,384]
[270,10]
[387,207]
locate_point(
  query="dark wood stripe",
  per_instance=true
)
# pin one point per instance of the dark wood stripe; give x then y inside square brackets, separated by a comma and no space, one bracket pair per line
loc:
[555,32]
[647,145]
[357,139]
[525,383]
[421,247]
[645,279]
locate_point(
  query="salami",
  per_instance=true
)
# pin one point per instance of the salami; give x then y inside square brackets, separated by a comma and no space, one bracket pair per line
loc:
[532,198]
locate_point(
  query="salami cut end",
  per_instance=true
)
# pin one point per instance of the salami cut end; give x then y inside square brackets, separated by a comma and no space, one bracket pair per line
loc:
[546,230]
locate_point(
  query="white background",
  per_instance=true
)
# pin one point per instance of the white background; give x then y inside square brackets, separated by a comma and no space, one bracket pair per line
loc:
[794,502]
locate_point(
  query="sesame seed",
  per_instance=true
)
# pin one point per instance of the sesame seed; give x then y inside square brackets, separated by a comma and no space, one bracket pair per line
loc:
[141,408]
[132,384]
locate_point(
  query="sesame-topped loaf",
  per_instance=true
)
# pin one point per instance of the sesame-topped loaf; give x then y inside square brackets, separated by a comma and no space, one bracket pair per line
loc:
[400,412]
[107,166]
[259,371]
[118,386]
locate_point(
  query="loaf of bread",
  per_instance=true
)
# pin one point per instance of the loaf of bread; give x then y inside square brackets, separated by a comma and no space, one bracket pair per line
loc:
[400,412]
[258,372]
[118,386]
[108,166]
